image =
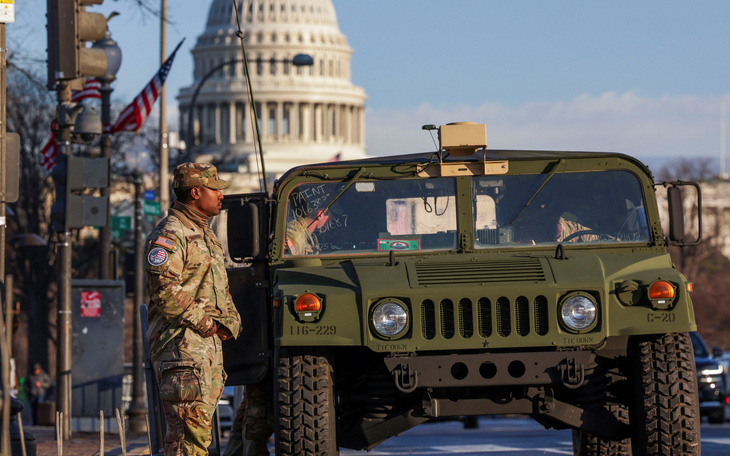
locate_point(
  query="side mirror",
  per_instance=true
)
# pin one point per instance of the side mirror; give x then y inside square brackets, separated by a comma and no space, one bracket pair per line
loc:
[716,352]
[246,226]
[675,204]
[676,214]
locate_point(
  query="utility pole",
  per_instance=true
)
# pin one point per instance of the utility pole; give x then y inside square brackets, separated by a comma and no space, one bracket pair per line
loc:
[63,318]
[164,149]
[5,446]
[70,27]
[3,155]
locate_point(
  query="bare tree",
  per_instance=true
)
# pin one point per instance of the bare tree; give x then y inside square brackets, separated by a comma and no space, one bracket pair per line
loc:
[687,169]
[30,110]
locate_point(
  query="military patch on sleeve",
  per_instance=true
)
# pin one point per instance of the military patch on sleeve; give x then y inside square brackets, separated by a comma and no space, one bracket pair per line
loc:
[157,257]
[165,242]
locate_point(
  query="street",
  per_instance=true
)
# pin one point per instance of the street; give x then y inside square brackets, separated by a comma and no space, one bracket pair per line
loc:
[507,436]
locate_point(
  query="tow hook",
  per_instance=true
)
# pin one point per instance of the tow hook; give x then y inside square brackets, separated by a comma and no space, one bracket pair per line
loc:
[406,378]
[572,373]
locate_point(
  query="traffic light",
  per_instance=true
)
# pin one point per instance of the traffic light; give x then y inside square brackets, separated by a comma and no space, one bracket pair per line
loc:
[69,28]
[70,175]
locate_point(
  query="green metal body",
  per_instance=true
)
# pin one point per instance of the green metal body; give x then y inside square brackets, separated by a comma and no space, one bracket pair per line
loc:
[484,324]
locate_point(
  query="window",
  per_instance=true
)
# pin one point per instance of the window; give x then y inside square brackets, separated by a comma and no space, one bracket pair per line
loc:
[371,216]
[285,121]
[272,120]
[582,207]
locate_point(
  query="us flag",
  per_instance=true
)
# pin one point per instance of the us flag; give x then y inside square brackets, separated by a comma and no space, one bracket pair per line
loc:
[134,115]
[49,153]
[90,90]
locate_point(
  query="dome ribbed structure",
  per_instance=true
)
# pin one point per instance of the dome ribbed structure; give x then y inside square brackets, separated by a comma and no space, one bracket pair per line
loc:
[306,114]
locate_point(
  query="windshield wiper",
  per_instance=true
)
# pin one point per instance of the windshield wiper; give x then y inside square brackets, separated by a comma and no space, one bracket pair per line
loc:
[352,180]
[550,175]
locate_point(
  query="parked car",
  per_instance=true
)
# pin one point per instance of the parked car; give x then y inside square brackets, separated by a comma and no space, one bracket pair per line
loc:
[724,360]
[711,381]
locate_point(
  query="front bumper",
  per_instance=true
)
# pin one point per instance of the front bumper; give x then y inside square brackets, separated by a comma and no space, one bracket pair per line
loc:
[490,369]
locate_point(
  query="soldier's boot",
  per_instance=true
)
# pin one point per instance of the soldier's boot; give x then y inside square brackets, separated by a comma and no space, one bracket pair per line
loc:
[235,446]
[235,440]
[255,448]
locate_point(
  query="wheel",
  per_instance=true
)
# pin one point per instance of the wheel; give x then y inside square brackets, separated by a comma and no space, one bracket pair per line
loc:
[665,416]
[587,444]
[305,424]
[717,417]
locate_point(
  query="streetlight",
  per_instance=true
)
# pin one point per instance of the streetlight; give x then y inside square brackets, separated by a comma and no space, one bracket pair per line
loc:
[298,60]
[114,61]
[137,158]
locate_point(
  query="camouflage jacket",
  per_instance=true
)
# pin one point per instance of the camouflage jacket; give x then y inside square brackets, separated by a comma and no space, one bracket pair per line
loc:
[187,281]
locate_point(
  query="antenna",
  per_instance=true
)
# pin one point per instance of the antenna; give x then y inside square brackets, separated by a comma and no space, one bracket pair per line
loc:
[252,102]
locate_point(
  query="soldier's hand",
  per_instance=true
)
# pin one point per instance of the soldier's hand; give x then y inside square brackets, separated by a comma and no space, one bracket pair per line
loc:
[224,333]
[210,332]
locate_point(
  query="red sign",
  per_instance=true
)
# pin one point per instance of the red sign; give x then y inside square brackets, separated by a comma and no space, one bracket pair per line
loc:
[90,304]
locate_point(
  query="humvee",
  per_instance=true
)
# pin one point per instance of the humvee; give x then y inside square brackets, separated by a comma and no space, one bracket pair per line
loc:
[380,293]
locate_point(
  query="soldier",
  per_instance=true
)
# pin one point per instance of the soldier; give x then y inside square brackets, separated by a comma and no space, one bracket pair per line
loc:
[191,310]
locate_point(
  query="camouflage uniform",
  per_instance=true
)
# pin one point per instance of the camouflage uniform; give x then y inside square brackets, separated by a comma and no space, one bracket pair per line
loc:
[567,225]
[190,304]
[254,422]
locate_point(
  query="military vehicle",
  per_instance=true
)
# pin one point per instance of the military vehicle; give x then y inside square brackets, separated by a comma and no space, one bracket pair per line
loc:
[378,294]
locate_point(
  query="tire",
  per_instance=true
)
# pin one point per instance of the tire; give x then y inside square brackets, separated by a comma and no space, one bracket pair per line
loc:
[305,422]
[717,417]
[587,444]
[665,416]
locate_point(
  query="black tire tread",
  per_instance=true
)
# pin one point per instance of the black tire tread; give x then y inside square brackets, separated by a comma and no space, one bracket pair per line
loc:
[666,414]
[305,424]
[587,444]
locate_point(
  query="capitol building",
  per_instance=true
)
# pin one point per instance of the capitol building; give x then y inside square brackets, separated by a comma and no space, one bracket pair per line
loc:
[307,114]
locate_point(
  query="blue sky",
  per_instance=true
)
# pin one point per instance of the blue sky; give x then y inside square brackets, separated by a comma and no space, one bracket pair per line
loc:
[644,78]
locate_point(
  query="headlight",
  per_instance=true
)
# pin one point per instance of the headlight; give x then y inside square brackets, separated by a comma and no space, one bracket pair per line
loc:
[579,313]
[710,371]
[390,318]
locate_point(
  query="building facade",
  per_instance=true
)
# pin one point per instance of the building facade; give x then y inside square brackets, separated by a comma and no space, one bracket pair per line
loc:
[306,114]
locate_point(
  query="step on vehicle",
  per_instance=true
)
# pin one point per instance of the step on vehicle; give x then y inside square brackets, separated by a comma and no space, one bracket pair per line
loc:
[383,292]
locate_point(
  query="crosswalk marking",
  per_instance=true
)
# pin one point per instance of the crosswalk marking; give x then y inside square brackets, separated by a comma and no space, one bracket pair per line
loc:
[488,448]
[459,449]
[719,441]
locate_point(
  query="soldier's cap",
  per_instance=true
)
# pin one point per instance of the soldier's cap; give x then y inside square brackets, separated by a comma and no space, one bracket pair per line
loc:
[194,174]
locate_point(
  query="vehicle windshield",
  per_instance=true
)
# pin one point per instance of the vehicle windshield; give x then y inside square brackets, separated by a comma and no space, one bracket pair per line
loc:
[326,218]
[583,207]
[404,214]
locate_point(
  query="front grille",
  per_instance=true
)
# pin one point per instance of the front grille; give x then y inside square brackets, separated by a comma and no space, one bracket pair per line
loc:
[477,272]
[501,317]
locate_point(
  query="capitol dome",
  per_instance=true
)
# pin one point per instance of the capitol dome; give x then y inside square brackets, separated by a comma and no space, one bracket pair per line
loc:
[307,113]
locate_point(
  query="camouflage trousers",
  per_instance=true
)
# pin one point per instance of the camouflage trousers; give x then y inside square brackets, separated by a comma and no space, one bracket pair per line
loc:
[254,422]
[190,377]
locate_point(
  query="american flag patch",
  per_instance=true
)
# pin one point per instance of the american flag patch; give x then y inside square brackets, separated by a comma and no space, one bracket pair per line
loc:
[165,242]
[157,257]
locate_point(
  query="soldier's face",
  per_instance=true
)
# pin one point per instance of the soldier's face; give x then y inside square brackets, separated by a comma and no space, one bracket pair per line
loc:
[207,201]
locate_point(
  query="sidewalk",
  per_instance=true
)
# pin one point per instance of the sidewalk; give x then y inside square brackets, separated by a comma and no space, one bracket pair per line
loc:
[86,443]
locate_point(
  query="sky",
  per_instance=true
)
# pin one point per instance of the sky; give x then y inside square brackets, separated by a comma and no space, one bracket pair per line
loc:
[644,78]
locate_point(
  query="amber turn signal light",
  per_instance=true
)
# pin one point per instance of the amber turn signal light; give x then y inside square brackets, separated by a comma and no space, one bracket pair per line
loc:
[661,290]
[308,303]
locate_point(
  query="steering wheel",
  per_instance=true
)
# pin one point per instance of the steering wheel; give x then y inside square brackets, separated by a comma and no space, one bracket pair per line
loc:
[586,233]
